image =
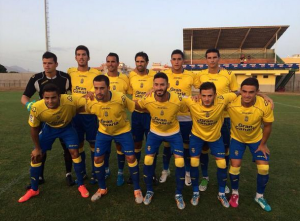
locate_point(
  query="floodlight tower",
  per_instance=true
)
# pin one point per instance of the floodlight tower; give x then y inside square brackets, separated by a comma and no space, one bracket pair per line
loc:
[47,26]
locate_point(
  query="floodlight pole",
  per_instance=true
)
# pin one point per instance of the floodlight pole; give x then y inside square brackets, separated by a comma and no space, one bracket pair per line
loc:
[192,49]
[275,49]
[46,26]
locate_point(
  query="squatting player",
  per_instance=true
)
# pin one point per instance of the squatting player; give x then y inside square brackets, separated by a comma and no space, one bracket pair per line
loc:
[82,82]
[36,84]
[110,108]
[56,111]
[163,107]
[248,113]
[181,82]
[207,115]
[118,82]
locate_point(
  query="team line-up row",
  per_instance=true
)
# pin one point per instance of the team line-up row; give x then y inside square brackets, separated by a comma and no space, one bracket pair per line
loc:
[163,110]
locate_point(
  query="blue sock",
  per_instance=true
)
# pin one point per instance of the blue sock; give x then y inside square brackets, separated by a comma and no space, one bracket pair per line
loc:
[79,170]
[135,176]
[222,178]
[92,160]
[106,159]
[154,163]
[180,176]
[138,156]
[234,180]
[187,159]
[148,176]
[82,154]
[121,161]
[35,172]
[166,157]
[227,160]
[195,178]
[204,164]
[100,174]
[262,181]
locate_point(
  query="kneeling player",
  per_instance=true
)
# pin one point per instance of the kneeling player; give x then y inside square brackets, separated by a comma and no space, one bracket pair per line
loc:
[57,112]
[247,113]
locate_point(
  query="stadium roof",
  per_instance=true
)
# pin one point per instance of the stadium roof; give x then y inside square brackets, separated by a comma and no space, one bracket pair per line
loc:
[232,37]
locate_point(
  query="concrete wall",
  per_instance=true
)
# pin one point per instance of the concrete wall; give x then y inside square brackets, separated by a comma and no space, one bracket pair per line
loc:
[293,85]
[10,81]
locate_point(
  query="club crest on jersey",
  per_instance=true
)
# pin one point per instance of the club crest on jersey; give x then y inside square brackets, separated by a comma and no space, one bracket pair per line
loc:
[141,85]
[148,148]
[246,118]
[106,114]
[33,109]
[236,152]
[70,98]
[207,114]
[177,83]
[162,113]
[114,87]
[98,150]
[81,81]
[57,117]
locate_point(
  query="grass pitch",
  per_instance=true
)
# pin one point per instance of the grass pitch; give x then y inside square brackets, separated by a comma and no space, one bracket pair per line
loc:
[60,202]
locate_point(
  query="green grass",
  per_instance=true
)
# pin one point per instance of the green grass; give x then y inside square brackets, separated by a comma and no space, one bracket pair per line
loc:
[59,202]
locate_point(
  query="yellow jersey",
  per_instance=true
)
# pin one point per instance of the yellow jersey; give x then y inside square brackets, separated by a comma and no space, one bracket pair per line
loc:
[246,121]
[119,83]
[56,118]
[207,121]
[164,114]
[112,114]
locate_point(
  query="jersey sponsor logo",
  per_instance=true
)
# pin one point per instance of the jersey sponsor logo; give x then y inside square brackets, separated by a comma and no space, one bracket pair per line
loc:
[206,122]
[70,98]
[108,123]
[177,91]
[59,122]
[31,118]
[243,127]
[157,120]
[139,94]
[79,90]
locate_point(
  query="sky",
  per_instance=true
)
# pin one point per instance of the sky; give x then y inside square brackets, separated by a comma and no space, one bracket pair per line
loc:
[127,27]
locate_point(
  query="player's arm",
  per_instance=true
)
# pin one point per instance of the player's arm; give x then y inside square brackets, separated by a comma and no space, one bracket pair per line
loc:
[28,93]
[139,105]
[37,151]
[266,134]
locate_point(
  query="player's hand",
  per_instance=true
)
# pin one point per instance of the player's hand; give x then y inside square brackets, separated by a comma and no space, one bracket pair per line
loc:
[267,99]
[29,104]
[90,95]
[36,155]
[149,93]
[264,149]
[196,98]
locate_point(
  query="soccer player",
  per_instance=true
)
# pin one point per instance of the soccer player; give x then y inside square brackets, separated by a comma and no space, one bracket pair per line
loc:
[140,82]
[118,82]
[248,113]
[207,115]
[163,107]
[57,112]
[110,108]
[225,82]
[82,82]
[36,84]
[181,82]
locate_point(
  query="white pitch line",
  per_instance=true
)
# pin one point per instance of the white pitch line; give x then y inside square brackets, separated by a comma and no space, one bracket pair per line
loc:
[287,105]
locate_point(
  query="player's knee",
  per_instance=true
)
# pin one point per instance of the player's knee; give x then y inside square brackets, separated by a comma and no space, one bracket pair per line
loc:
[74,153]
[234,170]
[149,160]
[130,158]
[179,162]
[221,163]
[263,169]
[98,160]
[195,162]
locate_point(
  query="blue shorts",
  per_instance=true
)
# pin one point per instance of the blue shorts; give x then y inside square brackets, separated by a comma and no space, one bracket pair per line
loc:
[153,142]
[225,131]
[217,147]
[103,143]
[185,130]
[140,125]
[237,150]
[86,124]
[67,134]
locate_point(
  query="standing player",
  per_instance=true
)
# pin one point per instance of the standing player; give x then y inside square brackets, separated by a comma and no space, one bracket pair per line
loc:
[248,113]
[36,84]
[225,82]
[141,81]
[110,108]
[118,82]
[82,82]
[181,82]
[207,115]
[163,107]
[57,112]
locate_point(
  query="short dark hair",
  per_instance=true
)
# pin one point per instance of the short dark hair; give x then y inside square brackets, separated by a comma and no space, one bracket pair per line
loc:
[142,54]
[49,54]
[178,51]
[161,75]
[100,78]
[113,55]
[84,48]
[251,81]
[207,86]
[50,87]
[212,50]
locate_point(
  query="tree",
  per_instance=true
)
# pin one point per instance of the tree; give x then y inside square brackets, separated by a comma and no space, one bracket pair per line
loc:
[3,69]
